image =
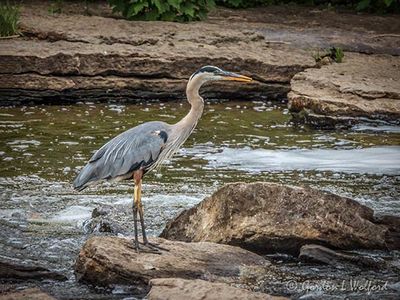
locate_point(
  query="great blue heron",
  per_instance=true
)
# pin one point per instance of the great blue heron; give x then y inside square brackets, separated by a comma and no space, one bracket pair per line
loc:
[138,150]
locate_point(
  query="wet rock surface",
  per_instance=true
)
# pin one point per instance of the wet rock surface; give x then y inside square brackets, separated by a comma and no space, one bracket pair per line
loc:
[269,217]
[362,87]
[106,261]
[182,289]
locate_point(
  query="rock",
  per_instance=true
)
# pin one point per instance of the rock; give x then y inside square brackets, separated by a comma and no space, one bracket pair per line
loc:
[268,217]
[25,88]
[108,58]
[101,211]
[106,261]
[101,224]
[27,294]
[321,254]
[362,87]
[393,233]
[71,56]
[13,270]
[182,289]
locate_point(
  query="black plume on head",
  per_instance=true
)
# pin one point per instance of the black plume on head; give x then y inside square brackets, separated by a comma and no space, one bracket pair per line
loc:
[206,69]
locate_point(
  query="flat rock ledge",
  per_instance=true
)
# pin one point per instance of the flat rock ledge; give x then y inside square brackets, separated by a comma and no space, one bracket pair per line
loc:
[183,289]
[27,294]
[362,88]
[58,59]
[268,217]
[105,261]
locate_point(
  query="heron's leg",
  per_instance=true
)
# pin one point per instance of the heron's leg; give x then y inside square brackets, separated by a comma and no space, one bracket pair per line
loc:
[141,214]
[153,247]
[135,213]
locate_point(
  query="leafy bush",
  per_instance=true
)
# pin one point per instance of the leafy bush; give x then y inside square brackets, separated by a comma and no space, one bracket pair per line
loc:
[360,5]
[165,10]
[9,19]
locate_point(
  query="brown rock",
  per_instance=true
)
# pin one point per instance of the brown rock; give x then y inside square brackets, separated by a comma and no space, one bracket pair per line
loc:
[111,260]
[27,294]
[109,58]
[363,86]
[33,87]
[183,289]
[269,217]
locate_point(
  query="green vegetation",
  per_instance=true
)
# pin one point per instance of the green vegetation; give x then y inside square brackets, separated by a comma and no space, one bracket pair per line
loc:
[335,53]
[9,19]
[360,5]
[56,7]
[165,10]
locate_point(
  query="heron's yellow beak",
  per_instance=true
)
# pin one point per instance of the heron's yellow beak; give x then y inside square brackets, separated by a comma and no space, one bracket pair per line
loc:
[236,77]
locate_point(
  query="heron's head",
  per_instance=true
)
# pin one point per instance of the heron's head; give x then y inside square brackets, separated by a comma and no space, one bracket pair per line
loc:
[209,73]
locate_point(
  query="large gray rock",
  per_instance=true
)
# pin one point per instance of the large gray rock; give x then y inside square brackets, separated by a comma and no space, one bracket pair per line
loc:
[183,289]
[269,217]
[111,260]
[363,86]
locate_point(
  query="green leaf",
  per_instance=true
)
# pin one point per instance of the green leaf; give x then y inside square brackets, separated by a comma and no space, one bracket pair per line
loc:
[136,8]
[388,2]
[188,9]
[363,4]
[161,6]
[175,3]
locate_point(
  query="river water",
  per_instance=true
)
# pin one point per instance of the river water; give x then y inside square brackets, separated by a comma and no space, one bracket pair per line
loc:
[43,147]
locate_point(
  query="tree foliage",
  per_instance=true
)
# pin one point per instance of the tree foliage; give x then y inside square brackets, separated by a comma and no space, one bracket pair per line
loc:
[165,10]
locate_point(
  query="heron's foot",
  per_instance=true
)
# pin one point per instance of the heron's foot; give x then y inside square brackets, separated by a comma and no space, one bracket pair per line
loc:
[154,246]
[147,248]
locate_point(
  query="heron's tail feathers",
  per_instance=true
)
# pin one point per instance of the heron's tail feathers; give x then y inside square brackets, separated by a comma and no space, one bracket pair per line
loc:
[86,176]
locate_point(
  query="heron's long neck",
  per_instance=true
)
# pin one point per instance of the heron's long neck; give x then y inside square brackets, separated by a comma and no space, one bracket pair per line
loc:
[187,124]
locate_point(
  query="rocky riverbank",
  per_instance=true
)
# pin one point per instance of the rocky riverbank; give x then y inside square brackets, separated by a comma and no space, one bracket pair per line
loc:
[262,217]
[71,57]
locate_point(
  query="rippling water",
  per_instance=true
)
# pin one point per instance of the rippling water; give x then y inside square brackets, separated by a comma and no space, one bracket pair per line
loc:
[43,147]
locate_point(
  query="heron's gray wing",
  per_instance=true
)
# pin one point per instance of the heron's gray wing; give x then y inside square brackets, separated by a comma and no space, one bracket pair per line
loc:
[136,148]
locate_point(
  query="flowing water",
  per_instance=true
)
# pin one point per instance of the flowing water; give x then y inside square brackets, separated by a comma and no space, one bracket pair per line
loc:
[43,147]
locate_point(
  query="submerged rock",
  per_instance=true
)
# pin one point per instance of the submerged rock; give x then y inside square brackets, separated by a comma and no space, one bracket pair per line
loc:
[182,289]
[321,254]
[363,87]
[17,270]
[101,222]
[106,261]
[268,217]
